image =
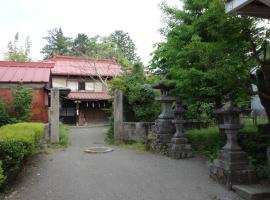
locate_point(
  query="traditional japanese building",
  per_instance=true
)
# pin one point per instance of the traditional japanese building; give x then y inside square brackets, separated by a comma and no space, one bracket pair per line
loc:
[87,79]
[255,8]
[35,75]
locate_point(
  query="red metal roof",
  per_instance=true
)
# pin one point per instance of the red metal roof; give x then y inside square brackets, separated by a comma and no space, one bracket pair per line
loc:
[25,72]
[78,66]
[88,96]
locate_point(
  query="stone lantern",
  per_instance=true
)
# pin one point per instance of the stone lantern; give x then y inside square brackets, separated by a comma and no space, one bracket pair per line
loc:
[164,128]
[179,147]
[231,167]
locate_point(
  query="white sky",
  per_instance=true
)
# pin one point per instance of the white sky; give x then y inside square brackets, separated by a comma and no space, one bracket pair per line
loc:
[141,18]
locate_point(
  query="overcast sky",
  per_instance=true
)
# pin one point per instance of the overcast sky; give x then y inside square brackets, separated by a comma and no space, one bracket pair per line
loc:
[141,18]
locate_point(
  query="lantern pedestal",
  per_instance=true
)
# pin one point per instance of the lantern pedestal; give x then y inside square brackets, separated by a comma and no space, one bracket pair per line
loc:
[163,128]
[179,147]
[232,166]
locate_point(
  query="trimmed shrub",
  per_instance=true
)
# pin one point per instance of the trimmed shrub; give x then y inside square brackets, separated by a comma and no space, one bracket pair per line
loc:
[17,142]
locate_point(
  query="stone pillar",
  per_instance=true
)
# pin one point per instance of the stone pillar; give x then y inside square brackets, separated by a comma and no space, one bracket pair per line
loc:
[118,115]
[232,166]
[54,115]
[179,147]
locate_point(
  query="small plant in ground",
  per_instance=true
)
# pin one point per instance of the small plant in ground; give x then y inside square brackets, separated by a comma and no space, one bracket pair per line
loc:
[110,134]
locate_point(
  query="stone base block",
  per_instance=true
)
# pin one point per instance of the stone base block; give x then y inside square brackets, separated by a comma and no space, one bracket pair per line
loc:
[180,151]
[158,147]
[232,177]
[163,138]
[182,140]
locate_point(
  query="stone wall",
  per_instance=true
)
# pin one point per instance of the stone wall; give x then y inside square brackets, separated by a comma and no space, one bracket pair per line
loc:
[136,131]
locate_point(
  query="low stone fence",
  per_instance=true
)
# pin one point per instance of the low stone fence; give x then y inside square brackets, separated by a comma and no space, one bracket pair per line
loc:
[136,131]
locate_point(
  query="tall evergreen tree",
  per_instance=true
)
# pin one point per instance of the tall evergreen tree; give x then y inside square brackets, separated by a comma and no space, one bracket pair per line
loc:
[16,53]
[57,43]
[125,45]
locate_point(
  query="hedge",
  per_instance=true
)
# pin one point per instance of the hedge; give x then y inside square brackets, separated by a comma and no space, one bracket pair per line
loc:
[17,142]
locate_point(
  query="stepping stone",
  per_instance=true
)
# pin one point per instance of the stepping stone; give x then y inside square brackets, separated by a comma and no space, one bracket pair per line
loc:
[252,192]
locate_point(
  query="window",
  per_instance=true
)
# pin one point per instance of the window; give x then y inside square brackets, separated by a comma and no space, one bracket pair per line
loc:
[81,86]
[98,87]
[89,86]
[73,85]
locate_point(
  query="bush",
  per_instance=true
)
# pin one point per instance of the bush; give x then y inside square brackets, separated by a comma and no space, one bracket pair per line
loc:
[17,142]
[208,141]
[4,113]
[22,103]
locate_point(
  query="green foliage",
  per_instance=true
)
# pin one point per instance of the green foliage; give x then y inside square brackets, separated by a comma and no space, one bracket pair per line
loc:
[110,134]
[4,113]
[16,53]
[117,45]
[22,103]
[200,111]
[205,54]
[125,46]
[57,43]
[208,141]
[139,103]
[17,142]
[63,135]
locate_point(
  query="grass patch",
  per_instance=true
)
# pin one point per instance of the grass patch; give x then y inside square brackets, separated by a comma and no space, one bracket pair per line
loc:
[64,135]
[132,146]
[64,141]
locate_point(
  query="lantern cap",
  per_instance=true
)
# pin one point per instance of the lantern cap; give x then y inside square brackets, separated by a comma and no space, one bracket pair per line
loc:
[163,86]
[229,107]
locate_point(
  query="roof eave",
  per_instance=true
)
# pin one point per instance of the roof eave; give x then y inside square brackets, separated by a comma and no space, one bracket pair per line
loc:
[254,8]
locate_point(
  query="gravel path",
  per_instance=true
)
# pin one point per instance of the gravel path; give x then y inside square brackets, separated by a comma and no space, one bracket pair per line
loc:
[119,175]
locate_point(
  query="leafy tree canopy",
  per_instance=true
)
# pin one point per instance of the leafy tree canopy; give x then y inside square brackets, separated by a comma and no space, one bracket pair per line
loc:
[139,103]
[205,53]
[117,45]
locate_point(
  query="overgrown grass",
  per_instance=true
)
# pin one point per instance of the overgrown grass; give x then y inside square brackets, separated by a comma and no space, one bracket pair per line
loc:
[64,135]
